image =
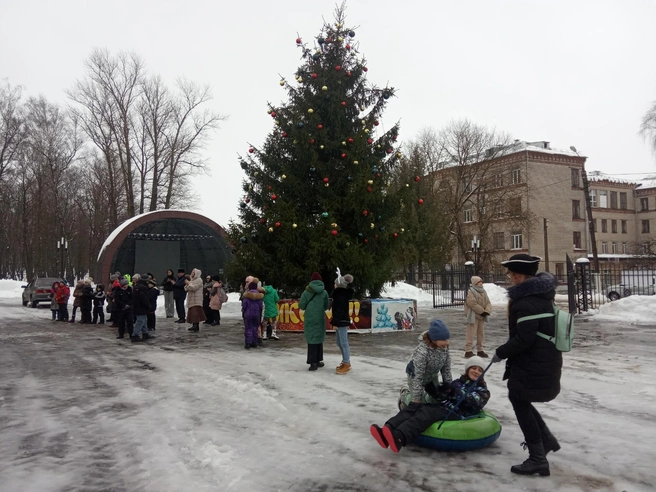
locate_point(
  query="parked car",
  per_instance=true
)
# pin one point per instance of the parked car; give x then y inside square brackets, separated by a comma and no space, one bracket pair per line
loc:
[38,290]
[616,292]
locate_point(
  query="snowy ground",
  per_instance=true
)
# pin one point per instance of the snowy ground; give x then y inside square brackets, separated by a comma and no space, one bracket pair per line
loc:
[82,411]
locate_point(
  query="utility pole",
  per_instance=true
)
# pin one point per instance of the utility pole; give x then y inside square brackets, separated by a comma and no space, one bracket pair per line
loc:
[588,207]
[546,246]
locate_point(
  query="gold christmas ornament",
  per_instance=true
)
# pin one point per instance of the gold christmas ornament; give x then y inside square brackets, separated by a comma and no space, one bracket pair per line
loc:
[295,142]
[310,110]
[339,38]
[378,146]
[363,122]
[348,244]
[284,176]
[324,88]
[327,185]
[355,162]
[372,225]
[362,108]
[399,154]
[343,142]
[270,229]
[321,147]
[250,187]
[388,184]
[333,225]
[407,185]
[294,226]
[255,173]
[371,181]
[339,26]
[282,82]
[402,230]
[300,79]
[276,122]
[269,111]
[366,130]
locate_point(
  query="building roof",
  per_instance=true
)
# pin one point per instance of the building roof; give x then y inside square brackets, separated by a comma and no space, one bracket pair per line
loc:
[644,182]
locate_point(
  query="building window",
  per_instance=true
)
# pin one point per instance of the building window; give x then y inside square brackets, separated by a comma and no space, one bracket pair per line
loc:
[613,226]
[466,185]
[514,206]
[575,178]
[623,202]
[498,210]
[516,176]
[499,240]
[624,227]
[560,270]
[613,199]
[576,209]
[613,248]
[604,248]
[468,215]
[604,225]
[498,180]
[603,199]
[516,240]
[644,204]
[593,198]
[594,225]
[645,227]
[577,239]
[624,246]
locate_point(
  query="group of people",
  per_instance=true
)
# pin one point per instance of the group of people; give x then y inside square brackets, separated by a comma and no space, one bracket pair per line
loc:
[259,309]
[533,370]
[84,298]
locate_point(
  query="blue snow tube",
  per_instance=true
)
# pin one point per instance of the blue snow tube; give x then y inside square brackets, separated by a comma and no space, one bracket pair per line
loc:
[462,435]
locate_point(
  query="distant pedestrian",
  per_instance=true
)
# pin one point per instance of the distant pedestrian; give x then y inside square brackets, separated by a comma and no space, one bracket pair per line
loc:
[54,306]
[179,295]
[218,297]
[341,320]
[534,363]
[271,299]
[86,303]
[314,301]
[62,296]
[98,304]
[167,287]
[477,309]
[124,314]
[251,309]
[77,299]
[141,307]
[194,288]
[207,288]
[153,294]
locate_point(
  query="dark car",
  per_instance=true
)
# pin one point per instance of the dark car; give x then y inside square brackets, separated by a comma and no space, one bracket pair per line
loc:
[38,290]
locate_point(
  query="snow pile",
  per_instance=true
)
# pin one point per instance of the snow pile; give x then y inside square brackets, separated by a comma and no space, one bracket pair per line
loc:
[10,289]
[401,290]
[498,295]
[631,309]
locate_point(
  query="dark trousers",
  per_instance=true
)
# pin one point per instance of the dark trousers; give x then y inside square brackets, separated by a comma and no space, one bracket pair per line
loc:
[314,353]
[63,312]
[415,419]
[98,312]
[74,311]
[55,314]
[124,320]
[151,321]
[215,316]
[86,314]
[179,307]
[206,308]
[528,418]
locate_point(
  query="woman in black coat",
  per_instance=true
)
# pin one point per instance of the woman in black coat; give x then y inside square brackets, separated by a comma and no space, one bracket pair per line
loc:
[533,366]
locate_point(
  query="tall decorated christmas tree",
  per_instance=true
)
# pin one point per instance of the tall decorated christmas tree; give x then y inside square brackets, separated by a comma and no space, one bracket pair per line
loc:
[323,190]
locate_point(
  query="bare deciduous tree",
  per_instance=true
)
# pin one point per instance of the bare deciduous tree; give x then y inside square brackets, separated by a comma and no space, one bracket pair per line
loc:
[648,127]
[11,126]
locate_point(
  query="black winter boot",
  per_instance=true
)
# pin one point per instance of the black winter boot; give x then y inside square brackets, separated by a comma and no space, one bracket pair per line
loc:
[536,462]
[549,441]
[135,339]
[194,327]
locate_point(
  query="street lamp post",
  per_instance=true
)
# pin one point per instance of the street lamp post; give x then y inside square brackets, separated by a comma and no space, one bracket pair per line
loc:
[588,207]
[62,246]
[476,247]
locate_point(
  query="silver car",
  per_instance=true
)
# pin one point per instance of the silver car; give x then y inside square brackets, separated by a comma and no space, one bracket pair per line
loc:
[38,290]
[616,292]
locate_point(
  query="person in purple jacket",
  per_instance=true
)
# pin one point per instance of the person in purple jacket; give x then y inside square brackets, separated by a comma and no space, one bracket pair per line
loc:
[251,309]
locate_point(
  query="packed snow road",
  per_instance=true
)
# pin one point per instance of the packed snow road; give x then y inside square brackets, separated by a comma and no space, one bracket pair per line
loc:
[82,411]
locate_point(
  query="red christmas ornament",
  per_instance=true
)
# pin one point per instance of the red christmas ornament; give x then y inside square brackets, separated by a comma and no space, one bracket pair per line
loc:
[314,75]
[251,150]
[277,224]
[343,103]
[369,189]
[348,74]
[334,232]
[348,46]
[378,175]
[274,196]
[376,123]
[396,235]
[389,151]
[370,141]
[420,201]
[325,180]
[311,141]
[265,208]
[329,40]
[365,69]
[319,127]
[366,241]
[284,134]
[269,187]
[350,140]
[376,236]
[338,68]
[417,178]
[273,114]
[247,200]
[262,221]
[298,40]
[364,212]
[343,156]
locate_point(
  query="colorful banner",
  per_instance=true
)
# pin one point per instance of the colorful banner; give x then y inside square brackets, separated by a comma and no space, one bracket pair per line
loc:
[387,315]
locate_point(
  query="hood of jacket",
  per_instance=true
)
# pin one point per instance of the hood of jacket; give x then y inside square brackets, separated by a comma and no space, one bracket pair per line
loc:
[268,289]
[196,273]
[316,286]
[543,284]
[253,294]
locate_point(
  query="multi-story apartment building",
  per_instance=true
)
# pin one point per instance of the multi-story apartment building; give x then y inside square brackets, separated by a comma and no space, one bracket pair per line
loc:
[538,206]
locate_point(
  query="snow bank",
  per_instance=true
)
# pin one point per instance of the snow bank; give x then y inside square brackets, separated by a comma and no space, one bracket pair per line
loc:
[633,309]
[498,295]
[401,290]
[10,289]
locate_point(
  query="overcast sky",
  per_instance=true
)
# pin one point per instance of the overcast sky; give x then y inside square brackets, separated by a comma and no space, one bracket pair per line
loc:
[571,72]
